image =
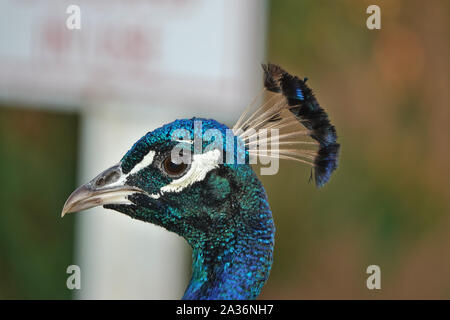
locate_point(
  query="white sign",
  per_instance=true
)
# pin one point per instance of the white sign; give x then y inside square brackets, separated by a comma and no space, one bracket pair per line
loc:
[178,50]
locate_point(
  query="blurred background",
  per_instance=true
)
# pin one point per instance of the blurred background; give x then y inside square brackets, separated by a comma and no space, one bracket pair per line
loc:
[73,101]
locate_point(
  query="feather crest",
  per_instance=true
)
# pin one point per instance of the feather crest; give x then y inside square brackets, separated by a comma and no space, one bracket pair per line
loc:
[291,106]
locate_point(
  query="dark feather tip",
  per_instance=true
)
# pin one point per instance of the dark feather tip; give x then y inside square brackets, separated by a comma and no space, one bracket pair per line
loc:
[304,105]
[325,163]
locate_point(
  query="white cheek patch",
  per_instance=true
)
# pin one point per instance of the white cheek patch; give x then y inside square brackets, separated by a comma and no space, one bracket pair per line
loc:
[200,166]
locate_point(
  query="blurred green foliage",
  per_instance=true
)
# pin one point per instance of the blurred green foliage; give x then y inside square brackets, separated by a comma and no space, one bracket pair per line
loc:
[38,162]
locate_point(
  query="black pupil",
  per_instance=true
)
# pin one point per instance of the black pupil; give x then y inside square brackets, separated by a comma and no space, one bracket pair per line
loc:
[173,168]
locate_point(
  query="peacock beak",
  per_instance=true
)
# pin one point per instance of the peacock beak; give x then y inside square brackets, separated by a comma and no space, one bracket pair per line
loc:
[107,188]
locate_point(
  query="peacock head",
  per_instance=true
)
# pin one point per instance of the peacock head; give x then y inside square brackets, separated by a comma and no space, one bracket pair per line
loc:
[185,176]
[193,177]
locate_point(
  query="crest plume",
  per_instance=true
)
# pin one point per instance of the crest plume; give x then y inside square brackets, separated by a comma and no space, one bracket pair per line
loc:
[291,108]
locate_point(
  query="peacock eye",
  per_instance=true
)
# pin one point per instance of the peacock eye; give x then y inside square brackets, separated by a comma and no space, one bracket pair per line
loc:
[173,169]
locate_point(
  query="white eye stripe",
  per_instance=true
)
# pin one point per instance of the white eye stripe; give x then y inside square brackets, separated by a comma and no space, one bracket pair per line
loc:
[145,162]
[185,141]
[200,166]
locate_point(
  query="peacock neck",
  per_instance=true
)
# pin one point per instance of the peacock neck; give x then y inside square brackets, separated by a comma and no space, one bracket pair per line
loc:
[235,262]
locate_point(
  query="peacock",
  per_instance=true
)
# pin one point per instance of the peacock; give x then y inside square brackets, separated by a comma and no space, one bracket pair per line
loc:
[193,177]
